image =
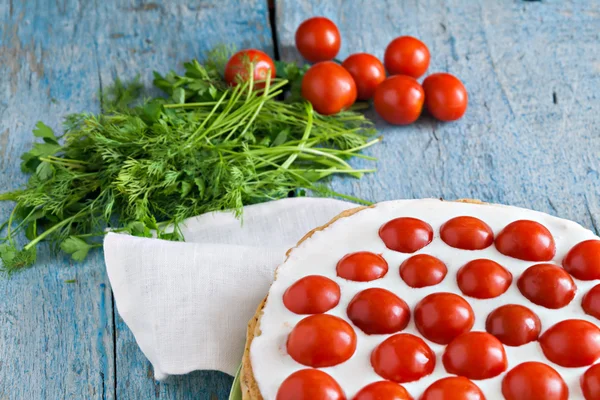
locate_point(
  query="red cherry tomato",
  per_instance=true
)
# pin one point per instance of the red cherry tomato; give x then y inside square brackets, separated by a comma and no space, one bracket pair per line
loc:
[310,384]
[238,67]
[526,240]
[318,39]
[422,270]
[534,381]
[513,325]
[583,260]
[483,279]
[572,343]
[440,317]
[445,96]
[362,266]
[321,340]
[453,388]
[467,233]
[591,302]
[378,311]
[328,87]
[406,235]
[547,285]
[383,390]
[367,71]
[475,355]
[399,100]
[406,55]
[403,358]
[590,383]
[313,294]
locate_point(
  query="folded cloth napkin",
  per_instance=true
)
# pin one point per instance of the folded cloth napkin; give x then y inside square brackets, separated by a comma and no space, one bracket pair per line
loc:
[188,303]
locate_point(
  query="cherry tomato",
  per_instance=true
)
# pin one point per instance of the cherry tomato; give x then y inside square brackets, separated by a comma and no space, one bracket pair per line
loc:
[445,96]
[362,266]
[453,388]
[367,71]
[572,343]
[310,384]
[313,294]
[406,55]
[513,325]
[483,279]
[534,381]
[467,233]
[403,358]
[378,311]
[328,87]
[383,390]
[591,302]
[318,39]
[475,355]
[321,340]
[547,285]
[422,270]
[399,100]
[583,260]
[406,235]
[440,317]
[590,383]
[238,67]
[526,240]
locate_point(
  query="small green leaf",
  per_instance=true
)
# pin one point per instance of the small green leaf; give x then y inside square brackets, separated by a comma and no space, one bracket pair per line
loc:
[186,187]
[45,171]
[179,95]
[280,138]
[71,281]
[76,247]
[139,229]
[44,131]
[213,92]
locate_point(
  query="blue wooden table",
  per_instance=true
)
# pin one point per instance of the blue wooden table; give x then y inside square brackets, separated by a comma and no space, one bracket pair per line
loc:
[531,138]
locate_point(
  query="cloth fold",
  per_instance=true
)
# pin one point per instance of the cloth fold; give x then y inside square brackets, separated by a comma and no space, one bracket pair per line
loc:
[188,303]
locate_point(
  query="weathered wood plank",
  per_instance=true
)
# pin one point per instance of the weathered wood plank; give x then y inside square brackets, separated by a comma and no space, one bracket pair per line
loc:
[516,145]
[138,38]
[56,339]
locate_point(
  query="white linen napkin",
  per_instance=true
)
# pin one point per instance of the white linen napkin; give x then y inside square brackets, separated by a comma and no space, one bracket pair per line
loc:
[188,303]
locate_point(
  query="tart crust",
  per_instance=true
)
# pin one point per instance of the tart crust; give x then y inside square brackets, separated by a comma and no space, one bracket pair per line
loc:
[250,390]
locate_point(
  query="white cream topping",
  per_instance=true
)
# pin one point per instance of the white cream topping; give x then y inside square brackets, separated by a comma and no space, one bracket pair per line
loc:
[319,255]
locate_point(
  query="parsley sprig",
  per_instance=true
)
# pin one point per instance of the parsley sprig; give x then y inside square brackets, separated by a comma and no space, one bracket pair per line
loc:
[144,166]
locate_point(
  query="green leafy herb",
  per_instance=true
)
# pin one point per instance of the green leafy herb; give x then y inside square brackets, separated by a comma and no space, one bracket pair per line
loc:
[143,167]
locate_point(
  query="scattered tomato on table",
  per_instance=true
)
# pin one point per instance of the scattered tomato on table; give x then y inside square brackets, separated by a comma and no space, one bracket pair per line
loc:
[239,65]
[368,72]
[329,87]
[318,39]
[406,55]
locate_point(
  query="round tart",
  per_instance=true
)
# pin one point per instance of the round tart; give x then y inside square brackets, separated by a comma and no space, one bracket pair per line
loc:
[419,299]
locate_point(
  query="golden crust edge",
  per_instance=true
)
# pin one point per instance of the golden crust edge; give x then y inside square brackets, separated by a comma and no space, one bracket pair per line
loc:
[249,386]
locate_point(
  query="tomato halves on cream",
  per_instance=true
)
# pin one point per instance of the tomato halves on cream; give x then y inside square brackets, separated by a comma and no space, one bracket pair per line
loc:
[321,340]
[310,384]
[513,325]
[467,233]
[534,381]
[378,311]
[591,302]
[406,234]
[403,358]
[590,383]
[572,343]
[383,390]
[583,260]
[526,240]
[362,266]
[483,279]
[422,270]
[453,388]
[313,294]
[547,285]
[440,317]
[475,355]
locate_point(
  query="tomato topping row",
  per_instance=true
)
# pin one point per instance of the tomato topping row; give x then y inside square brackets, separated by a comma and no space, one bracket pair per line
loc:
[527,381]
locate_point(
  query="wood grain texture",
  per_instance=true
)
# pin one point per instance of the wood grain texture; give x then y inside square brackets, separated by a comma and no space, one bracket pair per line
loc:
[64,339]
[531,135]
